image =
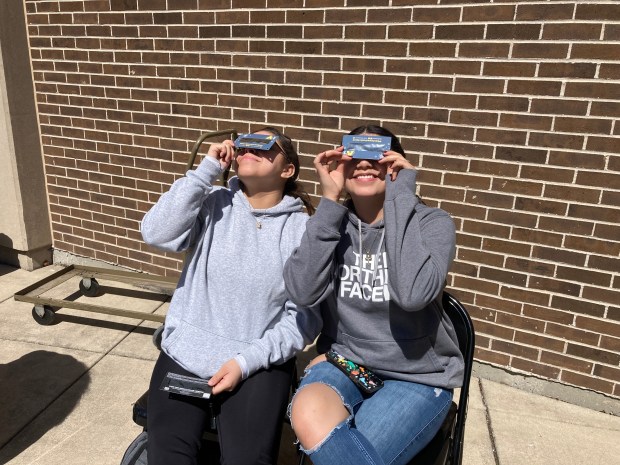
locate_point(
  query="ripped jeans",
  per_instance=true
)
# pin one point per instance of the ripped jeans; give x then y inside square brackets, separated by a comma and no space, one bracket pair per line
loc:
[388,427]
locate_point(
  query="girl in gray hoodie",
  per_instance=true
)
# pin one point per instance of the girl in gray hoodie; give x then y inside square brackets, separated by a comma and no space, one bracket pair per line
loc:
[377,267]
[230,320]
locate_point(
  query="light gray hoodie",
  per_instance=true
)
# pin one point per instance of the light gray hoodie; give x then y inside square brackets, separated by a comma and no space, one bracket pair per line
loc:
[382,307]
[230,301]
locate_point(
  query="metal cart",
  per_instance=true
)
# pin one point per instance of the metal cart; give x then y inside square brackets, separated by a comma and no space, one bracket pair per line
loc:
[45,308]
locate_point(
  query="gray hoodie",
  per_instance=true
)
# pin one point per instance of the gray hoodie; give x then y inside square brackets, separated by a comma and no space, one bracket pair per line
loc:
[230,301]
[380,286]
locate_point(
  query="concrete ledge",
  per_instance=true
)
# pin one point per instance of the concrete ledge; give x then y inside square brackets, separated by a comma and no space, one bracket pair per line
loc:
[547,388]
[29,259]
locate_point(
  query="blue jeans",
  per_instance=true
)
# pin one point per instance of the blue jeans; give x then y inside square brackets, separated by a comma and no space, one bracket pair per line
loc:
[388,427]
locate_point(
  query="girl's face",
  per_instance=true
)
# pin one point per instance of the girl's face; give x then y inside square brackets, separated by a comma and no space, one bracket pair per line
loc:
[364,178]
[267,164]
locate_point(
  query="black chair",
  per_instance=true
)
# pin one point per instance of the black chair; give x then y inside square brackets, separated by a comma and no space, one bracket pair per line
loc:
[446,448]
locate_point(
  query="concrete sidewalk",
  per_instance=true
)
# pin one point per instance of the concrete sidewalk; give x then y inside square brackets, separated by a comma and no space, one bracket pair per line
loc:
[66,392]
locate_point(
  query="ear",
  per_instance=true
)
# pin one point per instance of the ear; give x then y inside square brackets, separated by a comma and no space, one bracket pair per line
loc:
[288,171]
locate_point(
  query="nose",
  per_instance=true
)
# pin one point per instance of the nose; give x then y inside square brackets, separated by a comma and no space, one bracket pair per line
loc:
[363,163]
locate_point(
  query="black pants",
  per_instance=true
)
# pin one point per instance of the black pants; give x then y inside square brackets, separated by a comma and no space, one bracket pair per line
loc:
[249,419]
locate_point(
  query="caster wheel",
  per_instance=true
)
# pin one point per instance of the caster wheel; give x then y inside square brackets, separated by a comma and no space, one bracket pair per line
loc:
[157,337]
[43,314]
[89,287]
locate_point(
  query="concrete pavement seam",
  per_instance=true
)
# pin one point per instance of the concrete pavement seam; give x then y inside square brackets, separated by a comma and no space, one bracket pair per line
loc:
[489,425]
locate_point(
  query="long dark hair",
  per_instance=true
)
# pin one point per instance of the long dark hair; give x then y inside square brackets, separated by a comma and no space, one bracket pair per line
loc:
[380,131]
[292,187]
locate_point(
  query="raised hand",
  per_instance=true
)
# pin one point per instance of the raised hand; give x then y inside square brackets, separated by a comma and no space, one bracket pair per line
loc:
[395,162]
[331,178]
[223,152]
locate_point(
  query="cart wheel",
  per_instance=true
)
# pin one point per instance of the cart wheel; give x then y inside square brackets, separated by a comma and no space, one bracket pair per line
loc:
[43,314]
[157,337]
[89,287]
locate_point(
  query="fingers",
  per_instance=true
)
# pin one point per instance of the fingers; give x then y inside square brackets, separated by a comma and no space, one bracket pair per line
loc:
[395,162]
[332,180]
[224,152]
[227,377]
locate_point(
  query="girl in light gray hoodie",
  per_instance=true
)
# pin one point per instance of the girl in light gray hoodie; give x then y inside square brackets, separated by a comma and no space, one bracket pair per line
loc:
[377,267]
[230,320]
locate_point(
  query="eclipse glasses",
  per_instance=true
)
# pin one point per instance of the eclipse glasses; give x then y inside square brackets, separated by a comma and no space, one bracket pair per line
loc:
[366,146]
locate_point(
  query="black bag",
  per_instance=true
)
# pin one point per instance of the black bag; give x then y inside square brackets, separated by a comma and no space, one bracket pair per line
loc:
[136,452]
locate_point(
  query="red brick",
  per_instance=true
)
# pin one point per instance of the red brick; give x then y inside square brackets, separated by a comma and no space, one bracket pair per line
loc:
[450,132]
[514,218]
[600,326]
[436,15]
[520,31]
[432,49]
[563,361]
[611,12]
[460,67]
[501,136]
[540,50]
[572,32]
[387,15]
[324,32]
[516,69]
[603,144]
[484,50]
[503,103]
[491,356]
[415,31]
[515,349]
[607,231]
[593,90]
[548,314]
[579,306]
[577,160]
[488,13]
[570,225]
[556,254]
[452,101]
[459,32]
[538,87]
[544,11]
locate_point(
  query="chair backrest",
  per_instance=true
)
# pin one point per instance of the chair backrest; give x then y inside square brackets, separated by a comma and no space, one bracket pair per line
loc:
[465,333]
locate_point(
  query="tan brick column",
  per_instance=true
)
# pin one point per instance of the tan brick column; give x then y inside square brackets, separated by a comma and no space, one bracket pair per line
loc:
[25,234]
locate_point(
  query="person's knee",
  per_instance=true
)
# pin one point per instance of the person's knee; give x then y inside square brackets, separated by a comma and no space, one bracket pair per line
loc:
[316,410]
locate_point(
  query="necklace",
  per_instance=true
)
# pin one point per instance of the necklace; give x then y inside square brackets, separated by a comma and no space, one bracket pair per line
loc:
[258,218]
[368,255]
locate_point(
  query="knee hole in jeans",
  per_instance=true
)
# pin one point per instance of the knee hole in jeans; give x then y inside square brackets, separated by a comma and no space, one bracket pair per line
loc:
[316,410]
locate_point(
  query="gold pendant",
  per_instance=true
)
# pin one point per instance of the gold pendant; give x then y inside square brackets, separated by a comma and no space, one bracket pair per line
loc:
[258,225]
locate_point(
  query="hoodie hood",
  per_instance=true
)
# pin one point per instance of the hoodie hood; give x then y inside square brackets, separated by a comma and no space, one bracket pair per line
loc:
[286,206]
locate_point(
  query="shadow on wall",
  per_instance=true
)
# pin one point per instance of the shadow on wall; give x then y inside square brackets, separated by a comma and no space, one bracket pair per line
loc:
[30,389]
[8,255]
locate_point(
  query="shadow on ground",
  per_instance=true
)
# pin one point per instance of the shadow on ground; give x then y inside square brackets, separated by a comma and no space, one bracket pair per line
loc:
[28,386]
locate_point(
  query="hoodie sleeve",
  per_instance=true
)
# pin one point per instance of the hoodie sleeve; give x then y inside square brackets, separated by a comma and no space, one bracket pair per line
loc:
[420,244]
[308,271]
[295,330]
[172,223]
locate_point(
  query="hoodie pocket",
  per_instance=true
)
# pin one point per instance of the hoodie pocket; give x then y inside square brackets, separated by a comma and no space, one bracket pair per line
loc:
[200,351]
[414,355]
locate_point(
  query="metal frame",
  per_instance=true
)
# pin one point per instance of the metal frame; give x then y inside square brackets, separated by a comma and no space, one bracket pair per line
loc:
[33,293]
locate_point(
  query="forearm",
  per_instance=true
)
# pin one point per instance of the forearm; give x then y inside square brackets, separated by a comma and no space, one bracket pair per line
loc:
[171,223]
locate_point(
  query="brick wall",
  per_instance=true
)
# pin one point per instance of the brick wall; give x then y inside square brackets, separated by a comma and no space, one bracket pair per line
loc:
[509,108]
